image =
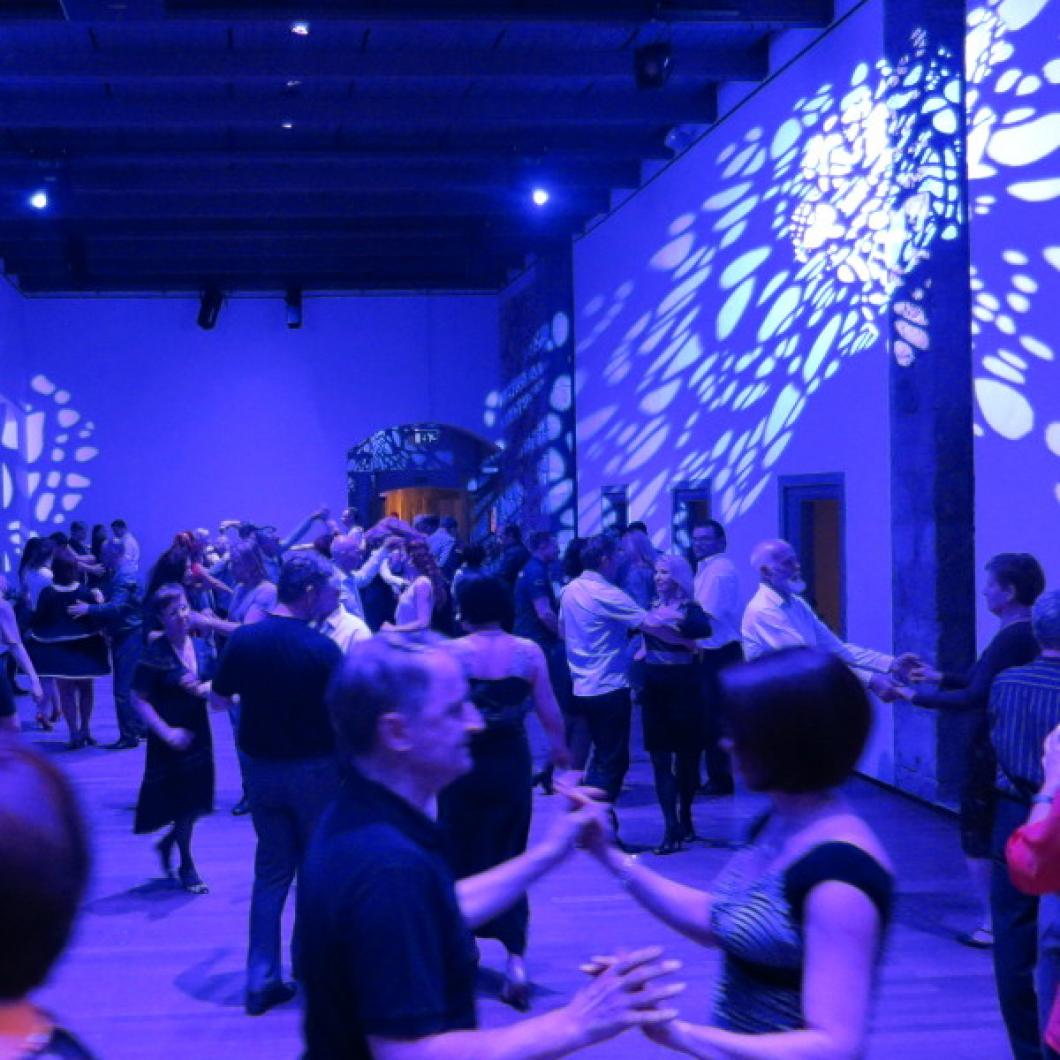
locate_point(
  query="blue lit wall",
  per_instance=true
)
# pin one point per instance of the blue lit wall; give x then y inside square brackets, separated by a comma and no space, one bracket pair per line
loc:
[733,318]
[186,427]
[1013,112]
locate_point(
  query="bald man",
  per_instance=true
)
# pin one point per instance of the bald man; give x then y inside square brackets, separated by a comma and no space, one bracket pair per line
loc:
[778,617]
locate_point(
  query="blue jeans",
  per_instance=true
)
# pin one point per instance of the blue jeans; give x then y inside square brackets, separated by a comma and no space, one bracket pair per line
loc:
[608,718]
[125,650]
[286,800]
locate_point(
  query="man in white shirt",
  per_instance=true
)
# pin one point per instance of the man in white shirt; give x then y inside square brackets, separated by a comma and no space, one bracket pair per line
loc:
[130,546]
[717,591]
[347,554]
[596,619]
[778,617]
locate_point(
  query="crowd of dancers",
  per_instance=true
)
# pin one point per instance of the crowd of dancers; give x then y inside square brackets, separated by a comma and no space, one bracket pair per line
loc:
[378,681]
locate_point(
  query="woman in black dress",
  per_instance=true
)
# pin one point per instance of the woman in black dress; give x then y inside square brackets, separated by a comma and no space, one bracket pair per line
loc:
[485,815]
[672,708]
[170,690]
[68,649]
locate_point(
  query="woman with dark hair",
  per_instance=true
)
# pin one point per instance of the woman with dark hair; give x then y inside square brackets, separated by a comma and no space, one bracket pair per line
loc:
[44,862]
[672,710]
[170,690]
[423,603]
[1014,580]
[69,650]
[800,912]
[485,815]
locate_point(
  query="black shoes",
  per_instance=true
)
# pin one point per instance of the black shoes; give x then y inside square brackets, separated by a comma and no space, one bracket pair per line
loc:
[259,1002]
[125,743]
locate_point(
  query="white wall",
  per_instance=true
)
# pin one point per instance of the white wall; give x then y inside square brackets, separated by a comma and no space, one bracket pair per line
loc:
[251,419]
[703,352]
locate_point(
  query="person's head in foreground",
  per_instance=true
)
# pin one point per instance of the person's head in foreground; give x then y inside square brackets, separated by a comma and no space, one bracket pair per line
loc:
[44,862]
[797,721]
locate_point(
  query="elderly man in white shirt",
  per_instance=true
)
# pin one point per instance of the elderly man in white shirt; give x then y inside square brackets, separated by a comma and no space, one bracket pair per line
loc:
[596,619]
[717,591]
[340,625]
[778,617]
[347,554]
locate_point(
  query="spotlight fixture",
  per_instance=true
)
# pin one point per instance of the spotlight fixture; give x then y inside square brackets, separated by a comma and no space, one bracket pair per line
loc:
[652,64]
[209,308]
[39,200]
[293,301]
[287,125]
[292,83]
[300,29]
[540,196]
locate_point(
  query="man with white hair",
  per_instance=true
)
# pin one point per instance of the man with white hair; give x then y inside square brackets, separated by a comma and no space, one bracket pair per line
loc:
[778,617]
[347,553]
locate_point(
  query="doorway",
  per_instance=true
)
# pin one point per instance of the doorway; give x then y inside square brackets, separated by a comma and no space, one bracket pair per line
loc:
[429,500]
[813,521]
[691,506]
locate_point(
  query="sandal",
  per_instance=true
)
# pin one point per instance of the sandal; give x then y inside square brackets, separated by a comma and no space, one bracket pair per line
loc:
[192,882]
[43,722]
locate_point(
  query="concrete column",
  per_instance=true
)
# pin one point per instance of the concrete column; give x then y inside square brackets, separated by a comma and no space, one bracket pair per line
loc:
[932,473]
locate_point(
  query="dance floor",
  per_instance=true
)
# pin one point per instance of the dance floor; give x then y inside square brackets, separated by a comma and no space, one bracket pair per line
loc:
[154,972]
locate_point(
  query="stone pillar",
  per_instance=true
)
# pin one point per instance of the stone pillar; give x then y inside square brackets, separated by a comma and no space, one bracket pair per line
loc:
[535,406]
[932,474]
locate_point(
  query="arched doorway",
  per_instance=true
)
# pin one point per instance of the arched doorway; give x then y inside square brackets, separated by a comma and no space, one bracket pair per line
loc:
[420,468]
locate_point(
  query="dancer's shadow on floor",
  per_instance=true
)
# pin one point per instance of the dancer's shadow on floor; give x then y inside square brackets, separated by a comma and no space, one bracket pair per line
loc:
[203,982]
[156,899]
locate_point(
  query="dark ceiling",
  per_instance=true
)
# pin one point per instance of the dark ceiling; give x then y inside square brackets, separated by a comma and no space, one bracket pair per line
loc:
[189,144]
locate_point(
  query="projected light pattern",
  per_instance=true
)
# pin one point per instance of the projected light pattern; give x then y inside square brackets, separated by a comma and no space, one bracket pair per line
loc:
[810,236]
[534,414]
[45,445]
[1013,118]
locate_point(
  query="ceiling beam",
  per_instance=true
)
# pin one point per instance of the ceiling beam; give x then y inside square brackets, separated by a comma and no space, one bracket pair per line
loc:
[25,63]
[408,175]
[665,107]
[607,12]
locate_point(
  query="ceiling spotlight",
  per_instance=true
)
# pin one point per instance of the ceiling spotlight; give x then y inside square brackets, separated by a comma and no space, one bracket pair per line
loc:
[292,84]
[652,64]
[39,200]
[540,196]
[287,124]
[300,29]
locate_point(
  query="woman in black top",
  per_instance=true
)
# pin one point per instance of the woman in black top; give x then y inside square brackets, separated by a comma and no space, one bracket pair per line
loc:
[672,709]
[801,911]
[1014,580]
[170,689]
[68,649]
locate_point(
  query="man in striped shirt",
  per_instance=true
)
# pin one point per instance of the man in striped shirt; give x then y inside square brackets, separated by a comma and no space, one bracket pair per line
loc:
[1024,709]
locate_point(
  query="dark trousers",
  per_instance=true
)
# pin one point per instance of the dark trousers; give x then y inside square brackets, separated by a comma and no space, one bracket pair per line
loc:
[125,651]
[286,800]
[1015,917]
[576,728]
[608,718]
[712,662]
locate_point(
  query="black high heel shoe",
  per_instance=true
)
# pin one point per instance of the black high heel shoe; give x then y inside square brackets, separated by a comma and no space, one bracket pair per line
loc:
[192,882]
[671,843]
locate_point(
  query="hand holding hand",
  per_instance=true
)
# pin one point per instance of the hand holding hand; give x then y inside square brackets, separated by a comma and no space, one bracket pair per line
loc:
[179,739]
[625,993]
[884,687]
[78,610]
[905,665]
[575,828]
[925,672]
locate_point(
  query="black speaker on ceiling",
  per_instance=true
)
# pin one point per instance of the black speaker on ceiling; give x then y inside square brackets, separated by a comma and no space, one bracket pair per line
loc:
[652,64]
[209,308]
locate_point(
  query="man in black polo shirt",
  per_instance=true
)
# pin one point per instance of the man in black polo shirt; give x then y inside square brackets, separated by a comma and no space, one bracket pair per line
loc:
[388,959]
[280,668]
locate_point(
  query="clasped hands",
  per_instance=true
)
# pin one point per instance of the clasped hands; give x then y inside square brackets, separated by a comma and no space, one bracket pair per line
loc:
[908,669]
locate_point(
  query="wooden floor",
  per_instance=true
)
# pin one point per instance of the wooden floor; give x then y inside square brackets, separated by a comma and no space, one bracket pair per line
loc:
[154,972]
